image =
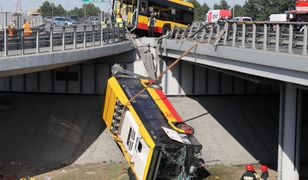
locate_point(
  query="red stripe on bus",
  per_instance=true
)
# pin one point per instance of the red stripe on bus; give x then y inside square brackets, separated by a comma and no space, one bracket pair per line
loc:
[169,105]
[142,26]
[145,27]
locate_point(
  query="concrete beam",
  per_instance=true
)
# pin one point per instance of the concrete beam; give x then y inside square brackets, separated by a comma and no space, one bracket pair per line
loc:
[289,133]
[279,66]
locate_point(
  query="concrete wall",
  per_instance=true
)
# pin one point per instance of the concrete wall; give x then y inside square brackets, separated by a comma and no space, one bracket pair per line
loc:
[189,79]
[88,79]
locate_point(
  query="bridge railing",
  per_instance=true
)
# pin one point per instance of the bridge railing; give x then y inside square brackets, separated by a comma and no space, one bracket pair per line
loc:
[58,39]
[288,37]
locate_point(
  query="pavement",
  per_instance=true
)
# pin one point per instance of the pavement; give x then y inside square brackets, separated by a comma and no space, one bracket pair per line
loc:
[42,132]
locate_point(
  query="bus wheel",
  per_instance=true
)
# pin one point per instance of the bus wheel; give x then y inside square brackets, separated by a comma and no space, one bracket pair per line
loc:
[166,29]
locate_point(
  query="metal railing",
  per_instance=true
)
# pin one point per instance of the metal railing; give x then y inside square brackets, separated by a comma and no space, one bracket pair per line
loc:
[288,37]
[58,39]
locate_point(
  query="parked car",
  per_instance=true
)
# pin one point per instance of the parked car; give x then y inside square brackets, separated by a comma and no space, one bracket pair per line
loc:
[75,18]
[48,19]
[241,19]
[93,20]
[63,21]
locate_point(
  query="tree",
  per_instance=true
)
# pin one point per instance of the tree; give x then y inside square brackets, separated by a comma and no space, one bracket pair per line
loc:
[59,11]
[238,10]
[90,9]
[222,5]
[76,12]
[200,11]
[49,9]
[46,9]
[262,9]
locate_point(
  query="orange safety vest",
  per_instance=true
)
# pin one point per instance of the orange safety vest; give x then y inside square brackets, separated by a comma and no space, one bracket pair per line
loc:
[27,29]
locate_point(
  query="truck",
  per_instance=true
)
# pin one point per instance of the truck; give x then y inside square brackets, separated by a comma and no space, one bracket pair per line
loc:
[213,16]
[300,13]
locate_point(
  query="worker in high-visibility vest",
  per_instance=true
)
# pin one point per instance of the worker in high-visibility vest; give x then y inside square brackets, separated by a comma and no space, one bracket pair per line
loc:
[104,24]
[119,21]
[27,28]
[249,174]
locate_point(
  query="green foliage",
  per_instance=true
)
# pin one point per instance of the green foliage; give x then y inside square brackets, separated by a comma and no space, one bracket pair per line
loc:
[50,9]
[91,9]
[222,5]
[76,12]
[200,10]
[238,10]
[262,9]
[46,9]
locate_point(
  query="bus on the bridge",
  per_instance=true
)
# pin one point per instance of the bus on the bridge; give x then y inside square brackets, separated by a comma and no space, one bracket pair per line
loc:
[168,14]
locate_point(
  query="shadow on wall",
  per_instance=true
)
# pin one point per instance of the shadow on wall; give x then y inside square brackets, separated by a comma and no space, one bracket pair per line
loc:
[304,135]
[40,133]
[252,120]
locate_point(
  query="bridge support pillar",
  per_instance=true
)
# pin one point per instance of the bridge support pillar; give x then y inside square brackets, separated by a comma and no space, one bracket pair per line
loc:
[289,132]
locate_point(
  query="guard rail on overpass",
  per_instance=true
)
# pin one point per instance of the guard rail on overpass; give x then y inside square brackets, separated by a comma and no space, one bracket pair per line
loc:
[59,46]
[273,50]
[57,39]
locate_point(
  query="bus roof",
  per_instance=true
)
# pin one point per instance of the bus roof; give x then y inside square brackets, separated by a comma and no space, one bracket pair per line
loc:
[184,3]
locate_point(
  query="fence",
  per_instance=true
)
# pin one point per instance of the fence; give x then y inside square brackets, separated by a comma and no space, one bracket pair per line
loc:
[289,37]
[58,39]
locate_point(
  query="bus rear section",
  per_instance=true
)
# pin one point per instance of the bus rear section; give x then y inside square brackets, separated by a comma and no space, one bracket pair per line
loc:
[168,14]
[155,141]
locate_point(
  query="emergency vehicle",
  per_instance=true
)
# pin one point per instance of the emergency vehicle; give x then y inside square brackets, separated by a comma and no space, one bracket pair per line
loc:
[214,15]
[300,14]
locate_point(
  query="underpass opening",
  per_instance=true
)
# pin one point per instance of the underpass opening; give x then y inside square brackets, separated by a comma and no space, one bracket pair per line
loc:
[235,118]
[43,132]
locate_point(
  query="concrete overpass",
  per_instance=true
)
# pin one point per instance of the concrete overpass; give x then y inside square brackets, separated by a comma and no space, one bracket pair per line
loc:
[268,53]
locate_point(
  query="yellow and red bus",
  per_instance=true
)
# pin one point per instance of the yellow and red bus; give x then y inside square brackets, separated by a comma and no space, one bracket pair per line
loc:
[168,13]
[155,140]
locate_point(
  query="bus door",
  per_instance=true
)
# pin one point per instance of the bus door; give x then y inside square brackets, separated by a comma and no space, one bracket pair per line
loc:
[140,156]
[128,10]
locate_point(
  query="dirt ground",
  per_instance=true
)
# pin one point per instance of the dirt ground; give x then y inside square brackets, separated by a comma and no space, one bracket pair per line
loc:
[118,171]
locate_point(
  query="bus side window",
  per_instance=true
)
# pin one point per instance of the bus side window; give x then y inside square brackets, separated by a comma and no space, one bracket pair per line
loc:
[130,138]
[139,145]
[144,7]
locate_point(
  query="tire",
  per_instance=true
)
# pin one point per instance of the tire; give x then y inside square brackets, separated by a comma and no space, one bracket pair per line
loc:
[65,24]
[166,29]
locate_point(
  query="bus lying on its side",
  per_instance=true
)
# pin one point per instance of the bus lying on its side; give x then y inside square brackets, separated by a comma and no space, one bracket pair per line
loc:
[155,141]
[168,14]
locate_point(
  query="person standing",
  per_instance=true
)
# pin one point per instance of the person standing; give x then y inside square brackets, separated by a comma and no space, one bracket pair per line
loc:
[119,21]
[27,28]
[249,174]
[264,172]
[151,25]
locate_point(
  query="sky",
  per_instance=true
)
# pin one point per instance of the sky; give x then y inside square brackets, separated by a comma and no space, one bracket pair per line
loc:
[8,5]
